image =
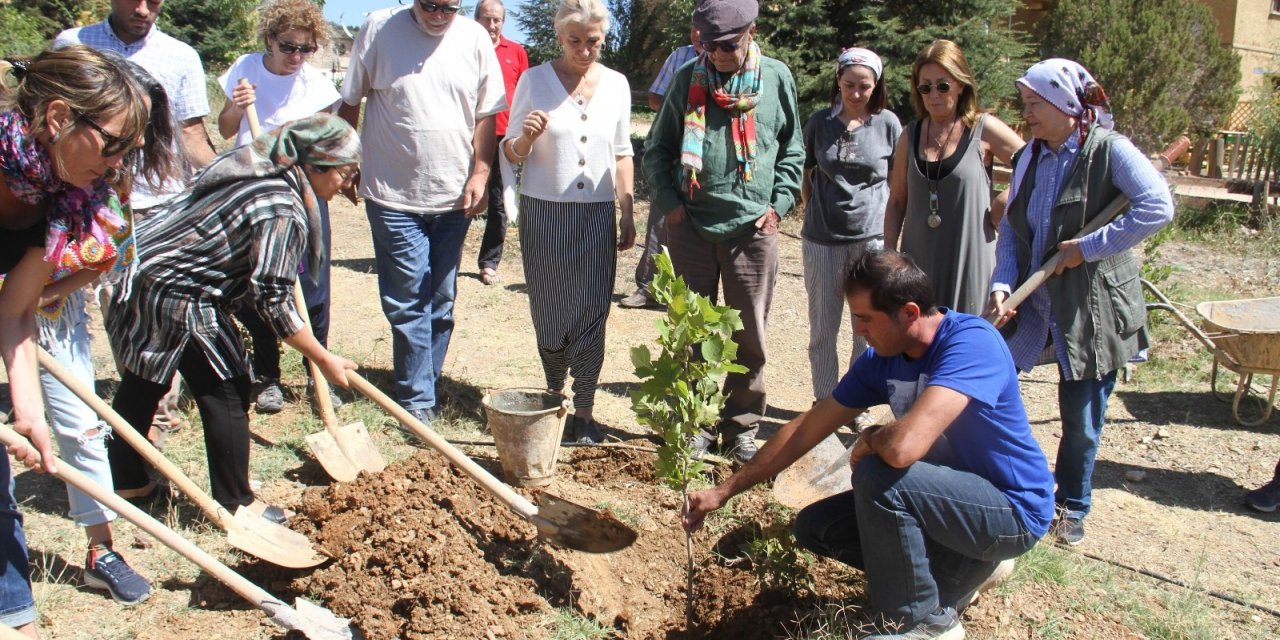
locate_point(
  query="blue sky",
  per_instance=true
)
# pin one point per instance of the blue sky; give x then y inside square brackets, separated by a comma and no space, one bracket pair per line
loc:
[352,12]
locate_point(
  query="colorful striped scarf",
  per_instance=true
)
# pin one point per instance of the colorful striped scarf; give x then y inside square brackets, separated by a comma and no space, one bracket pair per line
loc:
[88,228]
[739,96]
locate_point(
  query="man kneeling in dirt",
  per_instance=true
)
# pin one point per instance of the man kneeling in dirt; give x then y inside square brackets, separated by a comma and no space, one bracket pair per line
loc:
[946,495]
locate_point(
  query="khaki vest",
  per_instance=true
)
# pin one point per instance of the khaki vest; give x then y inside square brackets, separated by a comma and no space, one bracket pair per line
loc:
[1098,306]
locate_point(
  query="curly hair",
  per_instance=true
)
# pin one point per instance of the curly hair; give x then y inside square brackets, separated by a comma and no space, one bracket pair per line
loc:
[279,16]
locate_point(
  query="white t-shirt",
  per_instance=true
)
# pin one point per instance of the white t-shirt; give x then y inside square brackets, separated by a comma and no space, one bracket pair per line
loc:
[425,95]
[279,99]
[575,158]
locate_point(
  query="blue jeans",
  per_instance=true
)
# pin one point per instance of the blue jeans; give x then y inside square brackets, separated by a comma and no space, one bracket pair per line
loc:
[1083,407]
[17,606]
[81,434]
[925,535]
[417,257]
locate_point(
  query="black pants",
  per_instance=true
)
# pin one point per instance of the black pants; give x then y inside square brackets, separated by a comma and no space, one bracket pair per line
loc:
[224,410]
[495,224]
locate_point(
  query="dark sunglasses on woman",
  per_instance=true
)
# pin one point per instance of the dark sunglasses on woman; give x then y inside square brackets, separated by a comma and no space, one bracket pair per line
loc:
[112,145]
[290,49]
[926,89]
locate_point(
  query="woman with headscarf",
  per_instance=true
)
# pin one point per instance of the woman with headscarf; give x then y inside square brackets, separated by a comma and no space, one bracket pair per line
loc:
[848,152]
[940,204]
[1091,313]
[575,146]
[70,129]
[283,87]
[234,238]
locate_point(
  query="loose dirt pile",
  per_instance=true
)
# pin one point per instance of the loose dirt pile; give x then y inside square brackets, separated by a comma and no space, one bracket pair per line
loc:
[423,552]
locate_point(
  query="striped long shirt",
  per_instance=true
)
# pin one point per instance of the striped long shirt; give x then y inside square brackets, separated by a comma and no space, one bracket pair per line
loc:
[200,257]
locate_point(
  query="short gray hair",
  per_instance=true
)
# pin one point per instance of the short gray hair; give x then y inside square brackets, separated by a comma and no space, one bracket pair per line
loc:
[581,12]
[480,5]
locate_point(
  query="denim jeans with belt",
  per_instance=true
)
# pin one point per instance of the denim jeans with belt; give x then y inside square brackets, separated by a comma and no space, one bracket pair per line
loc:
[81,434]
[17,606]
[417,257]
[925,535]
[1083,407]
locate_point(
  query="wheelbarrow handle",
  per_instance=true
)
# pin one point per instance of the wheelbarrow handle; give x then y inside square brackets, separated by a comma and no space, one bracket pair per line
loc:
[1039,276]
[170,538]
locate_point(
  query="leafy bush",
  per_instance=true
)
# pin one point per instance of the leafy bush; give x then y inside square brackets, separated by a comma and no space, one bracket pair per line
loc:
[21,32]
[1161,62]
[220,30]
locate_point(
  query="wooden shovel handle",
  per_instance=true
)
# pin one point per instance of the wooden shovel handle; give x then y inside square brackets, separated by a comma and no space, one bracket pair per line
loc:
[1038,278]
[122,428]
[170,538]
[323,401]
[251,114]
[499,489]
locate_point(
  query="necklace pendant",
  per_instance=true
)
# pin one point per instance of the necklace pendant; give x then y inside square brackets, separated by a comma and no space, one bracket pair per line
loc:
[935,221]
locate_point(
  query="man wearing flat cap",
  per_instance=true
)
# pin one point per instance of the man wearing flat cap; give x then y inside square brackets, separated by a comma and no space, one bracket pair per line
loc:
[725,157]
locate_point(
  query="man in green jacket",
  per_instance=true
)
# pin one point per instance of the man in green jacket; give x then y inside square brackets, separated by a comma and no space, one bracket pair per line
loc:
[725,156]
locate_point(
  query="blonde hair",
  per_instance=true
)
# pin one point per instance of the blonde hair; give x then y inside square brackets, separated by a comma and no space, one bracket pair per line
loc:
[581,12]
[947,55]
[279,16]
[93,85]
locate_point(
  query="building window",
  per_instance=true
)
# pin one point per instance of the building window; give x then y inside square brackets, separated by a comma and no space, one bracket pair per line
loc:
[1275,7]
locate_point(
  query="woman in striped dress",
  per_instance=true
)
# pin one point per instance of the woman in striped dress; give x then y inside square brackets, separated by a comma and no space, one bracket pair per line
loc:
[234,239]
[575,147]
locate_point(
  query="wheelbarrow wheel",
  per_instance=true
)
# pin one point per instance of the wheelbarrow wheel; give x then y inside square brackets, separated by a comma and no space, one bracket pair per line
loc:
[1242,392]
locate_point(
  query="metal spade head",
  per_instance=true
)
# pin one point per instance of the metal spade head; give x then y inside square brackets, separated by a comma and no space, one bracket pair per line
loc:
[821,473]
[313,620]
[574,526]
[274,543]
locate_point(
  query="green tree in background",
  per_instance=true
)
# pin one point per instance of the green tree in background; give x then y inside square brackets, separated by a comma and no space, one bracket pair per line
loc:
[1161,62]
[537,19]
[220,30]
[22,32]
[800,35]
[898,30]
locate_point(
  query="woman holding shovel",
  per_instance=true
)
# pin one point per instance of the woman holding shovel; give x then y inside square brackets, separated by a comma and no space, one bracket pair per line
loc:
[234,239]
[1091,313]
[282,87]
[69,129]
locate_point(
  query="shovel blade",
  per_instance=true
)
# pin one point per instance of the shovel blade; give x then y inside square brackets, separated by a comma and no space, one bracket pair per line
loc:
[335,463]
[821,473]
[313,620]
[274,543]
[360,449]
[574,526]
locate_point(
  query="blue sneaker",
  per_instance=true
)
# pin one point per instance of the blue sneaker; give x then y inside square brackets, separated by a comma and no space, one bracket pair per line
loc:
[1265,498]
[106,569]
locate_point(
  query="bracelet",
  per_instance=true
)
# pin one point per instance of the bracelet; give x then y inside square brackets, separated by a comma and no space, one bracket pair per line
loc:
[511,146]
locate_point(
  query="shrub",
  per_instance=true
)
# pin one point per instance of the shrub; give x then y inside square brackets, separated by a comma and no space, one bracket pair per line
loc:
[1160,61]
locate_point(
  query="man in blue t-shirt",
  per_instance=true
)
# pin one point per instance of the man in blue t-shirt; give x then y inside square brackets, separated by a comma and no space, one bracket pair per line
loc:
[946,495]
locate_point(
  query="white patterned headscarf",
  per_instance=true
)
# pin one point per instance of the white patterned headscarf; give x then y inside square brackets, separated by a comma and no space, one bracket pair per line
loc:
[1069,87]
[856,56]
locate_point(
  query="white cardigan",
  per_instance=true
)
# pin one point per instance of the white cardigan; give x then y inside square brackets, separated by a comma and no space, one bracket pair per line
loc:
[575,157]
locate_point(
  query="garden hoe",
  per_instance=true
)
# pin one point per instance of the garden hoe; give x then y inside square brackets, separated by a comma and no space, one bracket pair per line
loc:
[559,521]
[246,531]
[824,471]
[343,451]
[312,620]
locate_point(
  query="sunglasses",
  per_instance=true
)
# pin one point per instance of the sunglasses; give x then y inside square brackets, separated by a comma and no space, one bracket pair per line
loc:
[289,49]
[727,46]
[432,7]
[925,89]
[112,145]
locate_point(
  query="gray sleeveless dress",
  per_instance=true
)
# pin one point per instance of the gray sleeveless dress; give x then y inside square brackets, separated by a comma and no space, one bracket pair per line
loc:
[960,254]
